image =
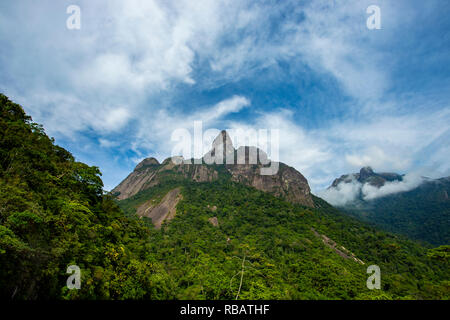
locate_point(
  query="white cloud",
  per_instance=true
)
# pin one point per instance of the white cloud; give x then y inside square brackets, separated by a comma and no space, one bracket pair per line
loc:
[347,192]
[231,105]
[128,53]
[115,119]
[342,194]
[118,70]
[154,132]
[387,143]
[333,39]
[409,182]
[105,143]
[376,157]
[297,147]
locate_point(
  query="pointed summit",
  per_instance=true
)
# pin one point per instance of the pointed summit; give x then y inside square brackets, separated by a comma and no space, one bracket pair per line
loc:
[247,165]
[222,147]
[147,162]
[223,139]
[365,173]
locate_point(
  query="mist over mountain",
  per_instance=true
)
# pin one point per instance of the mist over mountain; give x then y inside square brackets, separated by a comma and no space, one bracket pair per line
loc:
[368,185]
[410,204]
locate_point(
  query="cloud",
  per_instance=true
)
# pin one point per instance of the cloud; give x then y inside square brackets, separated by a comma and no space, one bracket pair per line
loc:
[124,54]
[156,133]
[409,182]
[349,192]
[342,194]
[385,143]
[230,105]
[105,143]
[333,39]
[132,53]
[139,69]
[116,119]
[297,147]
[405,143]
[376,157]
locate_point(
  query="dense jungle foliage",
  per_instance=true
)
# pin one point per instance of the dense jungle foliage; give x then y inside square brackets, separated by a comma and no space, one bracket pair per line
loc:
[421,214]
[53,214]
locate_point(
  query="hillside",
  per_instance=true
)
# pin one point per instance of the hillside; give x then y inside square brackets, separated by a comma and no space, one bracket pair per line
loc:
[421,213]
[286,246]
[217,214]
[224,240]
[53,214]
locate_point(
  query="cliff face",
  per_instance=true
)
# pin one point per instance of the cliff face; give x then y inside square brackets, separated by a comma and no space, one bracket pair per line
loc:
[287,182]
[141,178]
[163,211]
[146,176]
[244,165]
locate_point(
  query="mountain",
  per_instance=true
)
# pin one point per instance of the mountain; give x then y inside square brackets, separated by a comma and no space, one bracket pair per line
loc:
[286,183]
[420,210]
[367,175]
[218,239]
[204,216]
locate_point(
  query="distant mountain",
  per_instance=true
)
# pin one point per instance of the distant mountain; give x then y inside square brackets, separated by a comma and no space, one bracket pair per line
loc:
[421,212]
[367,175]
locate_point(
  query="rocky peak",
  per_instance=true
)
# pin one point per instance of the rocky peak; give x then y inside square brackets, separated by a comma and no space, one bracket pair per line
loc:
[365,173]
[223,139]
[222,148]
[244,165]
[147,162]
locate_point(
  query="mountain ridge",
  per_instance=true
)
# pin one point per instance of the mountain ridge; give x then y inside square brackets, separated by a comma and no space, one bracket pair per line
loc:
[243,165]
[421,211]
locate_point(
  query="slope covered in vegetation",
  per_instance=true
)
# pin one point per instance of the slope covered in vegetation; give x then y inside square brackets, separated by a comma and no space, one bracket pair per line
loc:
[421,214]
[53,214]
[284,258]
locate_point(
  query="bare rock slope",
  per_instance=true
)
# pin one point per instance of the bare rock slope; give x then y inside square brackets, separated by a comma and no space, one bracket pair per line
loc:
[165,210]
[242,165]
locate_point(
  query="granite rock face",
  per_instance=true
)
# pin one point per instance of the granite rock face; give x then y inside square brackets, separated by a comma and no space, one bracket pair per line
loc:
[146,176]
[247,165]
[163,211]
[140,179]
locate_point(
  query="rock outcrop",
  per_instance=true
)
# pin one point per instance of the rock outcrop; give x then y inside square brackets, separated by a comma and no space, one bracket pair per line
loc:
[367,175]
[164,210]
[340,250]
[247,165]
[140,179]
[146,176]
[214,221]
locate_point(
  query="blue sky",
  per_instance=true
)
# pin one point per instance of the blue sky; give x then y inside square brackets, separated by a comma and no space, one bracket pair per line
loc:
[342,96]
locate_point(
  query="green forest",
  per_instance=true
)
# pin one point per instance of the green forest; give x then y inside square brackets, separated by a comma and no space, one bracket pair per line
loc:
[422,214]
[54,213]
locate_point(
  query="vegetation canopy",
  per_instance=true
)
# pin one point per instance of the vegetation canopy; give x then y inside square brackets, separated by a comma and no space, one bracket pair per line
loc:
[53,214]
